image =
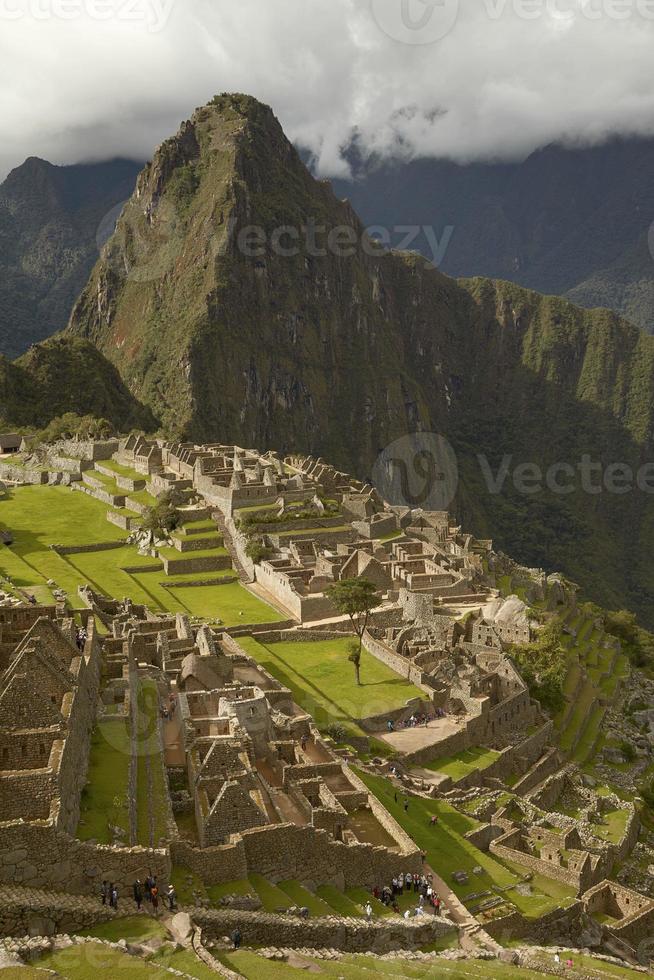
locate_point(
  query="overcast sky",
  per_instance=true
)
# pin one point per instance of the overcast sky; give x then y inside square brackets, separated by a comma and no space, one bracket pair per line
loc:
[90,79]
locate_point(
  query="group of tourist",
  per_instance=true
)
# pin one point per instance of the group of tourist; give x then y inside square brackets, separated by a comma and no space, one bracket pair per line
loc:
[109,894]
[168,709]
[420,885]
[416,720]
[142,891]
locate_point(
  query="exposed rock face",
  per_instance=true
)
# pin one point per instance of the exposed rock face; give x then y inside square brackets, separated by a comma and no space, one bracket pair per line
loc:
[50,218]
[295,346]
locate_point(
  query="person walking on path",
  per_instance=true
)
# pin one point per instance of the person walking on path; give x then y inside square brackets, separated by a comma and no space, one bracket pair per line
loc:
[137,889]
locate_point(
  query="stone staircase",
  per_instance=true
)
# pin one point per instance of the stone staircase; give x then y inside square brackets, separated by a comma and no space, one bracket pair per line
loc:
[237,564]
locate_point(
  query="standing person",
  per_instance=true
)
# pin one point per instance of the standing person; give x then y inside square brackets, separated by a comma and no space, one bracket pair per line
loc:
[148,887]
[406,804]
[172,898]
[114,897]
[154,897]
[368,911]
[104,892]
[237,938]
[137,889]
[437,905]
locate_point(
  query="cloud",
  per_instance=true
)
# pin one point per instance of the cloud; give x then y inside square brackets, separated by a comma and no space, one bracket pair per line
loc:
[464,79]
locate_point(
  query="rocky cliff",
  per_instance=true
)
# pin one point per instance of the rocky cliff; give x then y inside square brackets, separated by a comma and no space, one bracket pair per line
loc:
[50,220]
[228,311]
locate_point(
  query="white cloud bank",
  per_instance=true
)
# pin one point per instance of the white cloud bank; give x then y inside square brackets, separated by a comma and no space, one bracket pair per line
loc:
[91,79]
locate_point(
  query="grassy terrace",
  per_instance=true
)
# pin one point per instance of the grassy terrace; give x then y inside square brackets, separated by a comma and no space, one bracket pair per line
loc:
[120,470]
[41,516]
[322,680]
[104,800]
[151,789]
[594,675]
[361,967]
[463,763]
[448,851]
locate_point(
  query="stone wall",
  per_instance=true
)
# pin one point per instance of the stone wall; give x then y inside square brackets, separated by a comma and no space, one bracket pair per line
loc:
[401,665]
[348,935]
[32,912]
[88,450]
[38,855]
[286,851]
[559,925]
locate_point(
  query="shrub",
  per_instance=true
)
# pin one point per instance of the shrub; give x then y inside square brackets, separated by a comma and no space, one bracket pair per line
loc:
[544,665]
[256,551]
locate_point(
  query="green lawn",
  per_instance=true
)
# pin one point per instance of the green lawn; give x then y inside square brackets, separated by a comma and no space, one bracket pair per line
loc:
[121,470]
[322,680]
[87,961]
[135,928]
[151,790]
[362,967]
[41,516]
[463,763]
[104,800]
[448,851]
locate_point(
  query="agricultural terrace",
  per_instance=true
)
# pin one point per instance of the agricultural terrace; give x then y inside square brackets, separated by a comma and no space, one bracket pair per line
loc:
[41,516]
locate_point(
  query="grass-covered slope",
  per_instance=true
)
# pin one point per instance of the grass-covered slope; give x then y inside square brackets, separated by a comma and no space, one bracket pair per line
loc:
[305,349]
[66,374]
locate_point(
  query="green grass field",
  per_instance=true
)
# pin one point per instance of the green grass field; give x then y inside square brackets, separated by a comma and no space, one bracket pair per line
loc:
[323,683]
[151,789]
[104,800]
[362,967]
[41,516]
[463,763]
[448,851]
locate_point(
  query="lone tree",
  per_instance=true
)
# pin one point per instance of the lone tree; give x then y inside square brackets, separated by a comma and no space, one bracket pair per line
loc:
[158,521]
[355,597]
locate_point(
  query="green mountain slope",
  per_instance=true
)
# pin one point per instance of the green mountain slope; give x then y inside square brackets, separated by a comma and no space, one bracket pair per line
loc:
[50,218]
[305,349]
[567,220]
[66,374]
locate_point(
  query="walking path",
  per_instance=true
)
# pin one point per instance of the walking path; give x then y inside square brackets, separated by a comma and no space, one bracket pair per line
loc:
[174,754]
[469,928]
